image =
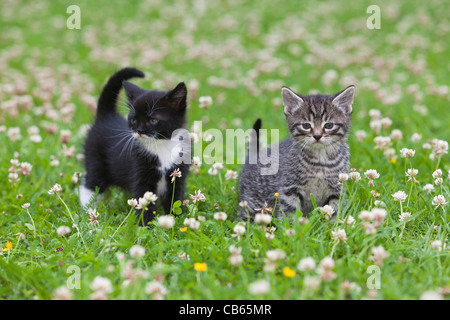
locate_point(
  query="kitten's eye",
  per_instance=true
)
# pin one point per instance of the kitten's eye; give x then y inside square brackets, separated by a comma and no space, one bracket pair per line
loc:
[306,126]
[153,121]
[328,125]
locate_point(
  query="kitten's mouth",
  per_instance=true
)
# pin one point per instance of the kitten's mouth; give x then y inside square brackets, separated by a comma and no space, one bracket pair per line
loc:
[141,136]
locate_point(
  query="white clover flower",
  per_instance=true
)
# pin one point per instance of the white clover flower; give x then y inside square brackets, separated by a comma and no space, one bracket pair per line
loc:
[416,137]
[339,235]
[263,219]
[371,174]
[26,205]
[192,223]
[143,203]
[311,282]
[361,135]
[379,214]
[342,177]
[231,174]
[404,216]
[137,251]
[375,125]
[306,264]
[166,221]
[93,216]
[212,171]
[355,176]
[328,211]
[366,215]
[440,146]
[150,197]
[62,293]
[327,263]
[76,177]
[196,161]
[259,287]
[407,153]
[411,174]
[431,295]
[101,284]
[235,259]
[350,220]
[156,289]
[324,269]
[382,143]
[175,174]
[62,231]
[437,174]
[132,203]
[218,166]
[439,200]
[428,187]
[239,230]
[220,216]
[205,102]
[436,245]
[396,134]
[55,189]
[378,255]
[386,123]
[374,114]
[198,196]
[194,137]
[275,254]
[399,196]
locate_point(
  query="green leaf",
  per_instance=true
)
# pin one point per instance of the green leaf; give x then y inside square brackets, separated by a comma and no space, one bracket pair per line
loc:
[29,226]
[177,204]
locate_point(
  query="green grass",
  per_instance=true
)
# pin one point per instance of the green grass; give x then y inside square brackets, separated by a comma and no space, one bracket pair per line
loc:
[240,54]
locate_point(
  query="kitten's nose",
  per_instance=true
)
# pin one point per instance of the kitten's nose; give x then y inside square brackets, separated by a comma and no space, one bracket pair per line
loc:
[317,137]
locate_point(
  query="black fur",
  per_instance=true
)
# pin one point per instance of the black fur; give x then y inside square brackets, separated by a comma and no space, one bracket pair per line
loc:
[115,154]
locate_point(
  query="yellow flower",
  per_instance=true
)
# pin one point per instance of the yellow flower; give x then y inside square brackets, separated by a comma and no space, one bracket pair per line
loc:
[8,246]
[276,194]
[200,266]
[394,160]
[184,229]
[288,272]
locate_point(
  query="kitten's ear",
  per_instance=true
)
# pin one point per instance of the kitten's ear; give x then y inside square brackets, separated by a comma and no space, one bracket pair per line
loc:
[132,90]
[291,101]
[177,97]
[344,99]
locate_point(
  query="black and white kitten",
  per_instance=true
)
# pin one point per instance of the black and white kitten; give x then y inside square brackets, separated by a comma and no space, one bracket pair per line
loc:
[309,162]
[140,153]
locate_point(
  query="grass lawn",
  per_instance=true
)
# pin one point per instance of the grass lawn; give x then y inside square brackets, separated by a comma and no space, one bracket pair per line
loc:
[240,53]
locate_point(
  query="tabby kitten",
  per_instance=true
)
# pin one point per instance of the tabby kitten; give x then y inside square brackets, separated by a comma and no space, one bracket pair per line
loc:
[309,161]
[138,153]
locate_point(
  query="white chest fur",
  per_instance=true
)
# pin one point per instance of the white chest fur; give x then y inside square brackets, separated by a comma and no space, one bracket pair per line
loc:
[166,150]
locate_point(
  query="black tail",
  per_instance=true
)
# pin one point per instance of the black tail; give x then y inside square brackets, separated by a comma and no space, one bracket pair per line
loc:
[110,92]
[253,148]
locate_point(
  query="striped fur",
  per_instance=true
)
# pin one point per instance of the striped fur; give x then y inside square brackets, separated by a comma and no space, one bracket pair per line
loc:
[309,162]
